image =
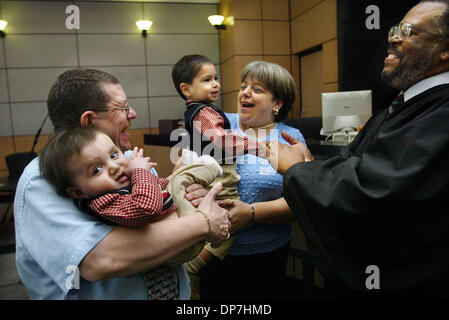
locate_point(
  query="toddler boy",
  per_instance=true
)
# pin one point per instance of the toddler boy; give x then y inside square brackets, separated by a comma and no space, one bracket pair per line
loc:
[196,81]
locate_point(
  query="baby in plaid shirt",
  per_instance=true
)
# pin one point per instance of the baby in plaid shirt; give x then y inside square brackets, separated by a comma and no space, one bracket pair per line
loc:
[86,165]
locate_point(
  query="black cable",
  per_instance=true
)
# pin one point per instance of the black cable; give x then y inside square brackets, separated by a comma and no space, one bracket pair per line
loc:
[36,139]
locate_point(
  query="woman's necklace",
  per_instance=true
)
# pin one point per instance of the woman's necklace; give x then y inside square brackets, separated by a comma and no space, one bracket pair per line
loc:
[256,128]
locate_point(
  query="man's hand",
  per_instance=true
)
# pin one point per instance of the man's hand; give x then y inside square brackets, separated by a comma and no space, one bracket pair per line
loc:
[219,219]
[282,156]
[137,160]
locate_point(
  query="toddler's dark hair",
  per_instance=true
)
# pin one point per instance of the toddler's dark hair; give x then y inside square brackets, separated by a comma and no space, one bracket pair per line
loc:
[186,69]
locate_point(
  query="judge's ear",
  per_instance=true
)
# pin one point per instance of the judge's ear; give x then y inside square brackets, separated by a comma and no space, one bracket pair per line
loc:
[87,118]
[444,56]
[75,193]
[185,89]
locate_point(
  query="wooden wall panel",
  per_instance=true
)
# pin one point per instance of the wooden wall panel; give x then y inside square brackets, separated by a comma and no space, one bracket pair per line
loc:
[295,70]
[330,87]
[276,37]
[7,148]
[298,7]
[247,9]
[248,37]
[230,102]
[160,155]
[315,26]
[275,9]
[228,75]
[312,83]
[227,47]
[330,61]
[24,143]
[136,137]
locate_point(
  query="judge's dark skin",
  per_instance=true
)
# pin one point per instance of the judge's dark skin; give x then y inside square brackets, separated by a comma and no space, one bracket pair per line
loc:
[399,70]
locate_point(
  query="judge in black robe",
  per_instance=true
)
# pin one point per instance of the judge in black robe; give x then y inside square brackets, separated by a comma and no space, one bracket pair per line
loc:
[382,201]
[381,207]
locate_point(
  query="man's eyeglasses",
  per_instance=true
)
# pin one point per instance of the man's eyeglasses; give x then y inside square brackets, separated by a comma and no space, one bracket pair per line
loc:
[126,109]
[402,31]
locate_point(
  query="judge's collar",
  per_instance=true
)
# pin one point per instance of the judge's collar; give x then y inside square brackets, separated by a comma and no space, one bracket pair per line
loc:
[426,84]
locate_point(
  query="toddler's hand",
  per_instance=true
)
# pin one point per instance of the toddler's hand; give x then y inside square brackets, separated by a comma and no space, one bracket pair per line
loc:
[137,160]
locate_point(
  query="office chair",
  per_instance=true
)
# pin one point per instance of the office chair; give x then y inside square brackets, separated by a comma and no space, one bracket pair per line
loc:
[16,162]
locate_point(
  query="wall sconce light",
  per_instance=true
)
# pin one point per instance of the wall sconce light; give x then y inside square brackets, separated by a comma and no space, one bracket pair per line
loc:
[144,26]
[3,24]
[217,22]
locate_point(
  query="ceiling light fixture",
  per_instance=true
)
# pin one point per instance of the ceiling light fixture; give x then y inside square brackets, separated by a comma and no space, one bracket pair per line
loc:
[3,24]
[144,26]
[217,22]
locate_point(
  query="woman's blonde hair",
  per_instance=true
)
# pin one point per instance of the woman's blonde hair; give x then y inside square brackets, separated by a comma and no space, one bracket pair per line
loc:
[276,79]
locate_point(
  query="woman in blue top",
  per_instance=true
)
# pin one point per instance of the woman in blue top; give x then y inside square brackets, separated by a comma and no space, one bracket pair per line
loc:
[255,267]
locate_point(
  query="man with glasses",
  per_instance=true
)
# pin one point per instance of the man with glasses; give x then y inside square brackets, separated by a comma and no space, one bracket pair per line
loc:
[376,217]
[63,253]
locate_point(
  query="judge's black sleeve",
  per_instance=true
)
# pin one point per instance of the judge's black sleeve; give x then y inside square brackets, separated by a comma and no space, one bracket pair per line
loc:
[382,201]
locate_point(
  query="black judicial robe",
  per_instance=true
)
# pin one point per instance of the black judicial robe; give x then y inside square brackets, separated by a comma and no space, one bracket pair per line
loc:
[383,201]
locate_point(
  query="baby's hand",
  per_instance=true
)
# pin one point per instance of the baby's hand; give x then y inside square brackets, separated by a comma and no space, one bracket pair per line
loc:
[137,160]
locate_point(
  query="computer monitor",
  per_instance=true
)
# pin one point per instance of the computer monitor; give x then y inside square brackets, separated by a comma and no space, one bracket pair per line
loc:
[345,110]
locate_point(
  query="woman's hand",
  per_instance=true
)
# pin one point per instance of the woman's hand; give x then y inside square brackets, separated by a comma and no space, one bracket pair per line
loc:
[218,217]
[239,213]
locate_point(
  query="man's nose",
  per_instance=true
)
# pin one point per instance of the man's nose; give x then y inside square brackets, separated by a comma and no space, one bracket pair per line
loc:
[132,113]
[394,40]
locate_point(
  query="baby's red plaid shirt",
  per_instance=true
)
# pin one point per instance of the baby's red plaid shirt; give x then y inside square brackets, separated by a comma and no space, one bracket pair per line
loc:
[142,206]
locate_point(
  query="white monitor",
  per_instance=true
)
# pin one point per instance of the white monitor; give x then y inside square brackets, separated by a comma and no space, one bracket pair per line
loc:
[345,110]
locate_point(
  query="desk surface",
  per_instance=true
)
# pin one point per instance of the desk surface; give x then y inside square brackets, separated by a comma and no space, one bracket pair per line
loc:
[322,150]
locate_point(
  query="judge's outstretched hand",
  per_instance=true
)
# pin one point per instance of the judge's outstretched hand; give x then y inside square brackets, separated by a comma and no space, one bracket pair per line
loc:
[283,156]
[219,217]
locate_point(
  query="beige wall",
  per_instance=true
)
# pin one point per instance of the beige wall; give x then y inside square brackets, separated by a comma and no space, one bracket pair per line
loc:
[277,31]
[38,47]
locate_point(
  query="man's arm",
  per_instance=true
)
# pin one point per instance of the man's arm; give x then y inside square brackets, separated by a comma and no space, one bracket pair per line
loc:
[126,251]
